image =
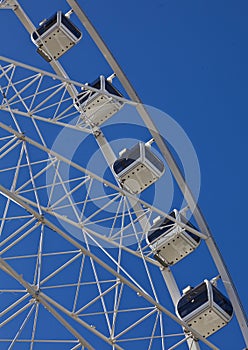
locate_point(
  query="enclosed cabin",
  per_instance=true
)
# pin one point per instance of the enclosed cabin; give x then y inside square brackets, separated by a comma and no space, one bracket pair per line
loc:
[204,308]
[138,168]
[55,36]
[97,107]
[169,241]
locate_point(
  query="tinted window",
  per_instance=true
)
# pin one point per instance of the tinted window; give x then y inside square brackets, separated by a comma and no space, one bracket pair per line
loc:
[68,24]
[192,235]
[192,300]
[154,160]
[222,301]
[84,95]
[121,164]
[134,152]
[96,84]
[45,26]
[111,89]
[165,226]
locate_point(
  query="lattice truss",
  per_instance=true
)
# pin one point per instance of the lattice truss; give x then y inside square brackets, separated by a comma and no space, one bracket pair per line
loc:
[36,95]
[66,258]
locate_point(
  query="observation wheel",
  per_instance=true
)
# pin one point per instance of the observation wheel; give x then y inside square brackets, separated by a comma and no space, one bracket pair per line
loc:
[100,230]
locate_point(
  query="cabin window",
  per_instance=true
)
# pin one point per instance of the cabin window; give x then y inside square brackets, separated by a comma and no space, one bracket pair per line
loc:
[193,300]
[96,84]
[68,24]
[84,95]
[134,152]
[222,301]
[45,26]
[121,164]
[166,225]
[154,160]
[111,89]
[192,235]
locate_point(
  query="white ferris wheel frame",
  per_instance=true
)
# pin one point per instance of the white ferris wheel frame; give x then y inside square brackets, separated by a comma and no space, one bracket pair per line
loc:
[110,157]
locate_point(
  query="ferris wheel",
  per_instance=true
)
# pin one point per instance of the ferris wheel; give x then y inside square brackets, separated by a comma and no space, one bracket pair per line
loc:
[92,234]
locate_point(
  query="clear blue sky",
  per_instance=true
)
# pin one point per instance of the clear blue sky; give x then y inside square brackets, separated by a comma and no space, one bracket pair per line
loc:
[189,59]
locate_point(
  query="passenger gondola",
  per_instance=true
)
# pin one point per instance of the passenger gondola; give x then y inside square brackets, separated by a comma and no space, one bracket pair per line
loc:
[169,241]
[97,108]
[138,168]
[55,36]
[204,308]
